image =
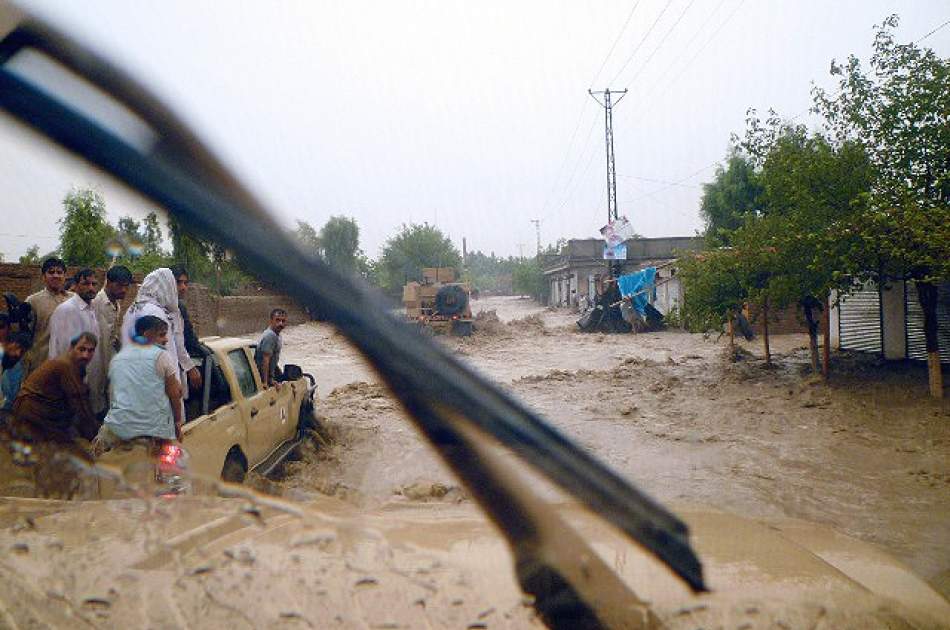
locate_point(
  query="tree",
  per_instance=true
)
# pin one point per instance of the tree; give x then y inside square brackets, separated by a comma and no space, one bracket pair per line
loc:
[803,243]
[733,195]
[340,243]
[83,230]
[714,289]
[898,111]
[151,236]
[527,278]
[32,256]
[414,247]
[307,236]
[190,251]
[129,229]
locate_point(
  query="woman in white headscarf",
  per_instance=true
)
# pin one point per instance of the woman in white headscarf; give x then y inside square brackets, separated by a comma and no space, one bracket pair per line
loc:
[158,296]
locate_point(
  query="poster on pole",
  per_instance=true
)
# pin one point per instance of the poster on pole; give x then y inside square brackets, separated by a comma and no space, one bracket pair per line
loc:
[617,231]
[617,252]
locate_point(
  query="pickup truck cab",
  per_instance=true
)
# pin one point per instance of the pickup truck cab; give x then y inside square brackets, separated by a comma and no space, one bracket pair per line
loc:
[236,425]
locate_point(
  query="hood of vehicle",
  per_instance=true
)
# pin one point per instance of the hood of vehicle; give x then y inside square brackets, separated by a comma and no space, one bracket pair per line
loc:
[256,561]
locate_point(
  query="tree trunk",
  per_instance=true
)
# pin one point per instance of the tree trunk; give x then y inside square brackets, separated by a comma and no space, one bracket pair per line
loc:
[732,339]
[826,333]
[765,331]
[809,305]
[927,296]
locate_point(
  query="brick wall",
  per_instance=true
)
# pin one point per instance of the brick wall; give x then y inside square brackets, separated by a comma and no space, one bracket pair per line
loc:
[210,314]
[22,280]
[789,320]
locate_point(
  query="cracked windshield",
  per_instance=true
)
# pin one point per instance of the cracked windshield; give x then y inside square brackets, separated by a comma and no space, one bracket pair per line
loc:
[622,314]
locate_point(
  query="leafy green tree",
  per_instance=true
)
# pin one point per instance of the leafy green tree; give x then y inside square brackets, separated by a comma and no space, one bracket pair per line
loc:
[734,194]
[32,256]
[415,246]
[129,229]
[190,251]
[715,288]
[340,243]
[151,235]
[804,242]
[489,272]
[307,236]
[898,111]
[83,229]
[527,278]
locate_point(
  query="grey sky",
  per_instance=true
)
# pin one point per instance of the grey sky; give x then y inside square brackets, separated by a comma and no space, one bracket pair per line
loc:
[470,115]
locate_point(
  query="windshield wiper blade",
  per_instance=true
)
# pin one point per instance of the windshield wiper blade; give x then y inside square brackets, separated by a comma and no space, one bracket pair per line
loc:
[422,375]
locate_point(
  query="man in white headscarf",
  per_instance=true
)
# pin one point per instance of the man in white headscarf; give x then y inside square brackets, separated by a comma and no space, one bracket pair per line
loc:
[158,296]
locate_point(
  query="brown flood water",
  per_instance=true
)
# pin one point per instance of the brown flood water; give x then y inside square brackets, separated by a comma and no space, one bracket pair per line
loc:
[867,454]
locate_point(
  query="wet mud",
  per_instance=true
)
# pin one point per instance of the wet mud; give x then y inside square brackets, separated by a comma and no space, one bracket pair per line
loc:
[350,532]
[867,453]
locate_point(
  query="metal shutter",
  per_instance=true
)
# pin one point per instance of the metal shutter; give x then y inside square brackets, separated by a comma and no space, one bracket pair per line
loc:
[859,324]
[914,316]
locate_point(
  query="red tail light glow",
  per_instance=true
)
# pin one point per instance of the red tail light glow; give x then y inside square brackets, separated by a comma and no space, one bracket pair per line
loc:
[170,454]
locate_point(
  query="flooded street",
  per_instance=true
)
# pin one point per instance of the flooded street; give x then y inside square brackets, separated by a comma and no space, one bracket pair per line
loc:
[368,529]
[867,454]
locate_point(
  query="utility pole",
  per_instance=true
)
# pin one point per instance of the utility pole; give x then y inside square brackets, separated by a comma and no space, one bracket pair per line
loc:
[521,251]
[608,106]
[537,231]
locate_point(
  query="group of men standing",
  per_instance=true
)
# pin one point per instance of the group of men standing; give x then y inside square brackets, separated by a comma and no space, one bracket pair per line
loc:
[81,346]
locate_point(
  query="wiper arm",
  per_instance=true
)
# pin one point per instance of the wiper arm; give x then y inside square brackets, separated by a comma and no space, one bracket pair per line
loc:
[430,383]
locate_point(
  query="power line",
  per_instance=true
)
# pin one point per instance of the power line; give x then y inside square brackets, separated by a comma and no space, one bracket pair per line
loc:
[932,32]
[580,115]
[28,235]
[614,45]
[662,41]
[674,183]
[841,91]
[658,181]
[643,39]
[571,196]
[580,158]
[644,102]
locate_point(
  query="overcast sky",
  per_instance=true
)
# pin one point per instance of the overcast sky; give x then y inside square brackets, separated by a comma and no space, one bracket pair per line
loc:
[472,115]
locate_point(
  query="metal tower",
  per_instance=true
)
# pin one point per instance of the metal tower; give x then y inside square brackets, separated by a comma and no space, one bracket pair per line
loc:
[608,105]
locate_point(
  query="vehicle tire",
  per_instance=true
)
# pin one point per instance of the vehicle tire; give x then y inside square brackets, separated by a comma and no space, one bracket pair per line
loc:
[451,300]
[234,469]
[462,327]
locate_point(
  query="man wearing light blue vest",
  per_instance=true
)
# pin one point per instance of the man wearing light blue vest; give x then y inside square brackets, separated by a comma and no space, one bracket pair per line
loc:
[145,400]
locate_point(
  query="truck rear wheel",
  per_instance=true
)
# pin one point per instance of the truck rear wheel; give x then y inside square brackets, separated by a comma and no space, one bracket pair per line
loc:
[234,469]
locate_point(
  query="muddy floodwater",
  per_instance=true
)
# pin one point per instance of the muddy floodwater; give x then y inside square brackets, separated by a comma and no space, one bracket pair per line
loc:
[867,453]
[368,529]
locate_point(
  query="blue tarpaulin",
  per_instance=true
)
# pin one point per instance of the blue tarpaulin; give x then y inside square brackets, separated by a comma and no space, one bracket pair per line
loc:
[640,285]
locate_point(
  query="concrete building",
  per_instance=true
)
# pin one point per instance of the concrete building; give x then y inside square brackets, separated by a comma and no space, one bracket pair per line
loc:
[573,274]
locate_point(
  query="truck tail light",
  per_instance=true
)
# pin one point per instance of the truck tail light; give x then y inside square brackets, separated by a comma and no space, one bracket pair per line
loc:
[170,472]
[171,455]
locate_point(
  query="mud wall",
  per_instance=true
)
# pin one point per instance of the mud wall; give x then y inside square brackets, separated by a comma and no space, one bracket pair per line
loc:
[210,314]
[22,280]
[243,314]
[789,320]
